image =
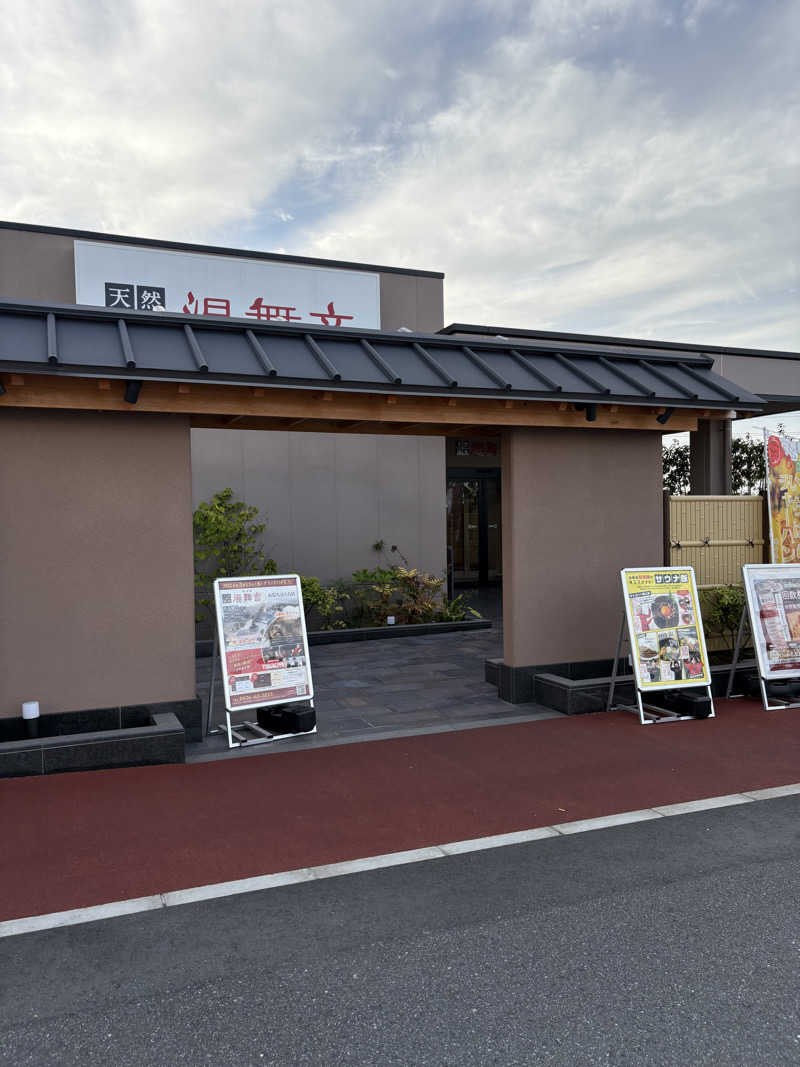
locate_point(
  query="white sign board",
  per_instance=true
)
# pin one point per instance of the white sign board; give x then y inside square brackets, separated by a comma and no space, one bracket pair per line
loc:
[263,641]
[668,646]
[128,277]
[773,602]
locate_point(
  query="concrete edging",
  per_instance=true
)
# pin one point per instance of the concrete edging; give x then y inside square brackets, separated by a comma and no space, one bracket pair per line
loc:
[204,648]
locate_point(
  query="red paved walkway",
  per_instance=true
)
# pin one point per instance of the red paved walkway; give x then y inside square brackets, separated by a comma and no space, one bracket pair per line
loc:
[74,840]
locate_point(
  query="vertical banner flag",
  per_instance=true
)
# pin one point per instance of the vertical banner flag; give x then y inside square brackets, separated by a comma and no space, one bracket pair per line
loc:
[668,646]
[263,641]
[773,601]
[783,492]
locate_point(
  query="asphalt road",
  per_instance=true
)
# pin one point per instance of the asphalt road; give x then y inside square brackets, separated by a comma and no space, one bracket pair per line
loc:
[666,942]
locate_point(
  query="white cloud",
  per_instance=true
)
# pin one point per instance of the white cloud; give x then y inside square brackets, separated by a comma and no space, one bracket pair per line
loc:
[574,195]
[620,166]
[169,119]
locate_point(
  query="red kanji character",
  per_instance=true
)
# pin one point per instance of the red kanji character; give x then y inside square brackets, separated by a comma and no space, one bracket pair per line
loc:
[216,305]
[260,310]
[190,299]
[330,314]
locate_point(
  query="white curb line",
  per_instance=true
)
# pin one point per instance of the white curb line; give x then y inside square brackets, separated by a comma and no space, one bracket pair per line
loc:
[34,923]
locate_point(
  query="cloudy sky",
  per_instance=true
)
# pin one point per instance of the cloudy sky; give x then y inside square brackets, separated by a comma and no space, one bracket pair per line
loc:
[613,166]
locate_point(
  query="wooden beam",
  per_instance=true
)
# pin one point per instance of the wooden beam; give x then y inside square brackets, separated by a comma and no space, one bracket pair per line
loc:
[298,407]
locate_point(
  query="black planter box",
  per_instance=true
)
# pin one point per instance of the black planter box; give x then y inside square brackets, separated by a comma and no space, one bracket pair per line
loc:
[91,740]
[205,648]
[581,687]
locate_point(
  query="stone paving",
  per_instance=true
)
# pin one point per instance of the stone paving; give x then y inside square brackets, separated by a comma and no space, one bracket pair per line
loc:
[365,690]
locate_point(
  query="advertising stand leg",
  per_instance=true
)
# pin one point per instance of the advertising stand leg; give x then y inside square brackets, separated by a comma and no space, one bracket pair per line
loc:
[666,645]
[772,614]
[262,645]
[648,713]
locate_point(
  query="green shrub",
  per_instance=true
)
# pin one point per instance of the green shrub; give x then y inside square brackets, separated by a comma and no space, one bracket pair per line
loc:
[410,595]
[457,610]
[322,604]
[721,607]
[225,545]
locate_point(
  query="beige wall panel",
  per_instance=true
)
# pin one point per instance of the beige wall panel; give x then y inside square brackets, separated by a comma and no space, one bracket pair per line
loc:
[357,488]
[761,375]
[406,508]
[327,498]
[432,513]
[578,506]
[312,504]
[398,301]
[265,482]
[217,463]
[36,267]
[96,575]
[430,304]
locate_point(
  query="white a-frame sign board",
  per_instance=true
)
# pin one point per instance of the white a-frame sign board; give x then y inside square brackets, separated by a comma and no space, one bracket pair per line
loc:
[666,641]
[263,648]
[772,593]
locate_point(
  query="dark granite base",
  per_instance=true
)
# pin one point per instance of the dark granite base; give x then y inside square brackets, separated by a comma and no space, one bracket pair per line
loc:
[582,687]
[188,712]
[90,740]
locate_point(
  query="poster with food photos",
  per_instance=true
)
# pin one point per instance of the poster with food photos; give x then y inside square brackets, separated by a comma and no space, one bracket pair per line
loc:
[668,646]
[773,603]
[782,459]
[263,641]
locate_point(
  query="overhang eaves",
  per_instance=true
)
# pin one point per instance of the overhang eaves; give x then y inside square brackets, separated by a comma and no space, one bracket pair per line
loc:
[95,342]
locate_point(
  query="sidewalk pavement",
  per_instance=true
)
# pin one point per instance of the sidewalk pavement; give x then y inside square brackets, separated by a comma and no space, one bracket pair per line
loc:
[76,840]
[389,688]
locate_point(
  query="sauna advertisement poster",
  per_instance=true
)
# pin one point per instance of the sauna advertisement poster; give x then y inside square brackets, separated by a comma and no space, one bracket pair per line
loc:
[263,641]
[666,632]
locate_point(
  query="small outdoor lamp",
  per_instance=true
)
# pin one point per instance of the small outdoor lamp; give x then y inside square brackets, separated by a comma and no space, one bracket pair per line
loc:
[30,716]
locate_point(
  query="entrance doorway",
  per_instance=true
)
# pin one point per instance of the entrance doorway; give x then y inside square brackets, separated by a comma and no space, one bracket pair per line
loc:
[474,534]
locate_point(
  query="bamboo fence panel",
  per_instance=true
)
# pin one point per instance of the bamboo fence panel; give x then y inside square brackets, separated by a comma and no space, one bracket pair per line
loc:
[716,535]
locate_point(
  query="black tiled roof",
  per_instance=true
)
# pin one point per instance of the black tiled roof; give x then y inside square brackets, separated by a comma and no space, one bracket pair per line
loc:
[95,342]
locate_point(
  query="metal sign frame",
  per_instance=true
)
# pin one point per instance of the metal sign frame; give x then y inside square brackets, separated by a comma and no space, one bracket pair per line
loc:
[251,732]
[652,713]
[751,613]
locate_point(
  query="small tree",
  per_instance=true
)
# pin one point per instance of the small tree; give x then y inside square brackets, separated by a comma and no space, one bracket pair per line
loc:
[747,467]
[748,470]
[225,545]
[676,468]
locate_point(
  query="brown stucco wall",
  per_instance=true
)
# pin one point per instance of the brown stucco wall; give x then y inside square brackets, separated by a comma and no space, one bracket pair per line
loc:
[578,506]
[36,267]
[96,585]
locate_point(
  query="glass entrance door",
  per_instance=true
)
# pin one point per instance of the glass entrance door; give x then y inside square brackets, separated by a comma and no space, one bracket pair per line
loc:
[473,525]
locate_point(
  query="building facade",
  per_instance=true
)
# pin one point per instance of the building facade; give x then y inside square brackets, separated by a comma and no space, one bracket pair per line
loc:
[137,377]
